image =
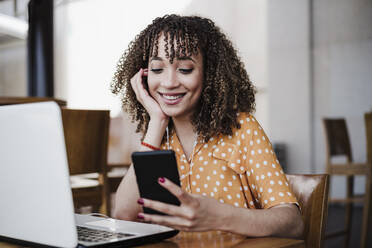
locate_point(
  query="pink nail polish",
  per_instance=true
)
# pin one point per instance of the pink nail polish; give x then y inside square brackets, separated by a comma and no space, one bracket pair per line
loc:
[161,179]
[140,201]
[140,216]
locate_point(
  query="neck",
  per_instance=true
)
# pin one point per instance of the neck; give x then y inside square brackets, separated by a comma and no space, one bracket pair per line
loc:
[186,134]
[183,129]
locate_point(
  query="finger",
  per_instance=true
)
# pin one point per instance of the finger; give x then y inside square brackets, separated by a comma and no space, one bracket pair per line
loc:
[141,84]
[138,87]
[170,221]
[165,208]
[182,195]
[134,84]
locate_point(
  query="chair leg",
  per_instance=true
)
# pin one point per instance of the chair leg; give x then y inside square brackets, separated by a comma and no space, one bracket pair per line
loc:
[348,210]
[105,208]
[367,215]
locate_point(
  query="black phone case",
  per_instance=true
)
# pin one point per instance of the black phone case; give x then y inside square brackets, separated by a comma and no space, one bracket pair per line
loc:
[148,167]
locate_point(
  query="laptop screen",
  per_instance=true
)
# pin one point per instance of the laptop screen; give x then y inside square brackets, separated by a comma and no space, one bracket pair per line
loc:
[36,202]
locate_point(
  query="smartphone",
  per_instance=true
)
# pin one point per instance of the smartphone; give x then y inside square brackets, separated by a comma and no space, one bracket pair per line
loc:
[148,167]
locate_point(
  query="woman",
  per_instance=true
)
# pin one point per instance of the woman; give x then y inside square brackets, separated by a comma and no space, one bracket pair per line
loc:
[183,83]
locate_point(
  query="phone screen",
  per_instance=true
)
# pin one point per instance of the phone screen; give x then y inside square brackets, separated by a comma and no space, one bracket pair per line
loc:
[148,167]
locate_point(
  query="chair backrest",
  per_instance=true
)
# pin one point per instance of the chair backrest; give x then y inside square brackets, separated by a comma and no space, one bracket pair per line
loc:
[337,138]
[312,193]
[19,100]
[368,122]
[86,136]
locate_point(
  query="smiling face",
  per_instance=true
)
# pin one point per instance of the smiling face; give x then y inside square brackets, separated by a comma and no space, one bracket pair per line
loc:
[175,86]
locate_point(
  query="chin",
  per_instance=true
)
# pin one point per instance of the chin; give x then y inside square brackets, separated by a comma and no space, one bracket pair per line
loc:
[173,112]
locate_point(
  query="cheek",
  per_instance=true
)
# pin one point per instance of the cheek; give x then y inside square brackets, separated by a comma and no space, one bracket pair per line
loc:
[197,85]
[152,85]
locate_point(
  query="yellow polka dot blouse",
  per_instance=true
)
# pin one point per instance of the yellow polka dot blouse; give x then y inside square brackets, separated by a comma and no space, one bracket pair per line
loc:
[241,170]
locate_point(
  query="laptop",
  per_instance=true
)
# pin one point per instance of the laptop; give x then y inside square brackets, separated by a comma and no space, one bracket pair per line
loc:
[36,201]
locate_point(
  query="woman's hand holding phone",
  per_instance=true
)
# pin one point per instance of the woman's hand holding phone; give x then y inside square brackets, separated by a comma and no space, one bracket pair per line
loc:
[196,212]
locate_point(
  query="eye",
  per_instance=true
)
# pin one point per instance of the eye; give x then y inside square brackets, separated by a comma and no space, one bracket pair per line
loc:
[156,70]
[185,71]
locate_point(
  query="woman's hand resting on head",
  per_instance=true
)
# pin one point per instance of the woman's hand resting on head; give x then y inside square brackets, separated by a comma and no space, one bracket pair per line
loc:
[143,96]
[196,212]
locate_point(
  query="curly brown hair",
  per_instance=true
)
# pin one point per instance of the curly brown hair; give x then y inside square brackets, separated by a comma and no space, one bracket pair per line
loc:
[226,91]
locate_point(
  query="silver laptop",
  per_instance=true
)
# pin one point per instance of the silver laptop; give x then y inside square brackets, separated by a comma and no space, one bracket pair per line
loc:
[36,203]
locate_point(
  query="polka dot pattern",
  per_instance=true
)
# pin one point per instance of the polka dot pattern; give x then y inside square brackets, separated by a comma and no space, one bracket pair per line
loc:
[241,170]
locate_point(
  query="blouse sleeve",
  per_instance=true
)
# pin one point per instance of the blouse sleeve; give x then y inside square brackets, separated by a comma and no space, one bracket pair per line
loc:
[262,176]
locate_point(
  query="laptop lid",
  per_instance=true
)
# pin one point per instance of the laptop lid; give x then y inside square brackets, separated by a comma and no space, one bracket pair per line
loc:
[36,200]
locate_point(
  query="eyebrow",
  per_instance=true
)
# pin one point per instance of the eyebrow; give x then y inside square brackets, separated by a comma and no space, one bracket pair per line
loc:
[186,58]
[179,58]
[156,58]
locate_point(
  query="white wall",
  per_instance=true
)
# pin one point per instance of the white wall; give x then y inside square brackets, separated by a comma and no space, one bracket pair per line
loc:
[13,57]
[13,71]
[288,80]
[343,75]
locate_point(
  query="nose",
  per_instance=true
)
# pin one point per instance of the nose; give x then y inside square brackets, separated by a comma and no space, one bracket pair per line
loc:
[170,80]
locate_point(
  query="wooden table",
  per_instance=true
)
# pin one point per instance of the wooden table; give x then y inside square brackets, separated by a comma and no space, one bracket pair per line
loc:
[214,239]
[217,239]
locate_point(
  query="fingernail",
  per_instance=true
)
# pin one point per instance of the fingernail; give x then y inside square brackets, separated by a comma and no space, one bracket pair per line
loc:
[140,201]
[140,216]
[161,179]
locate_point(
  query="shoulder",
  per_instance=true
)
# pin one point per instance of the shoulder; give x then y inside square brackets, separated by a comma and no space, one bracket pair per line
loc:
[250,131]
[246,121]
[249,128]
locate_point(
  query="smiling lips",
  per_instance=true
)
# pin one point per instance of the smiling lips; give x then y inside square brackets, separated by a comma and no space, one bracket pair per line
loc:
[172,98]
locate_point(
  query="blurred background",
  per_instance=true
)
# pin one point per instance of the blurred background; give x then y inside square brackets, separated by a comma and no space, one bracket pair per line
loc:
[309,59]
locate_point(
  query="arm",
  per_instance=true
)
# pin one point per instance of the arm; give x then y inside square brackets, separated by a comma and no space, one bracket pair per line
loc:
[199,213]
[126,197]
[283,221]
[126,206]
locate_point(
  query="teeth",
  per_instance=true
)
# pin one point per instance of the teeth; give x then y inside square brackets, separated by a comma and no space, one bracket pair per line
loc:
[174,97]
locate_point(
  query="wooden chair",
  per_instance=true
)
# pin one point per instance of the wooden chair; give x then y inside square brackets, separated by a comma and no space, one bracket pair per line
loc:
[312,194]
[118,151]
[338,143]
[367,211]
[19,100]
[86,136]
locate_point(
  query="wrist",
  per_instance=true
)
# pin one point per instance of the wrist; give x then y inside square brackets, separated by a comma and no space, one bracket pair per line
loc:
[154,148]
[158,123]
[226,220]
[154,134]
